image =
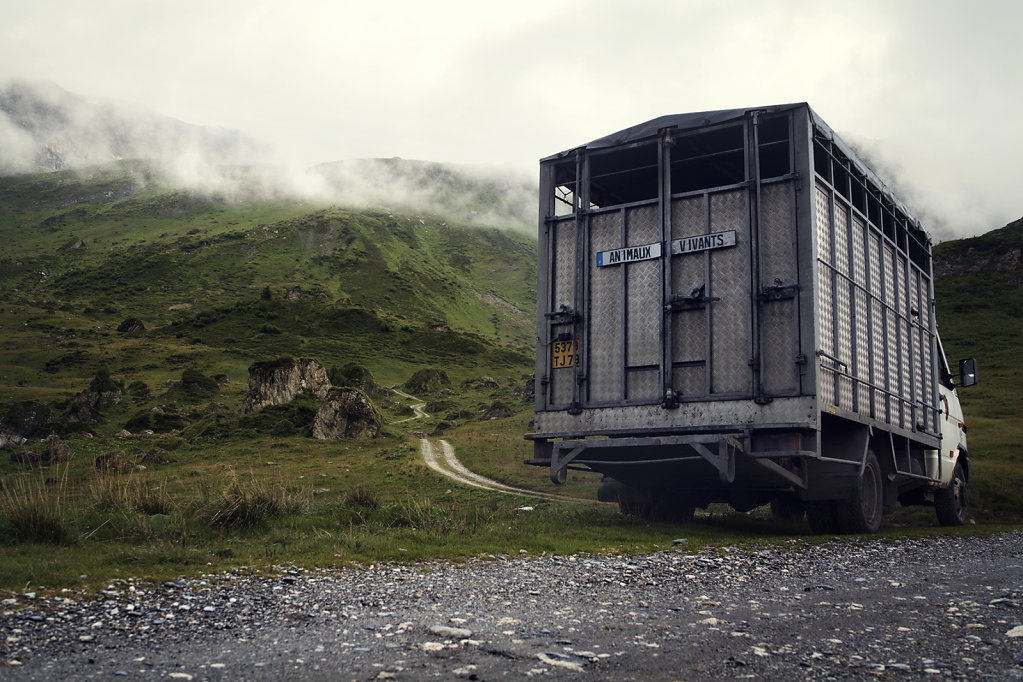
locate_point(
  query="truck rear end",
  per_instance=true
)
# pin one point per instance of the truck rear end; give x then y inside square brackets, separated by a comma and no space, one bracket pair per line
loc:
[732,307]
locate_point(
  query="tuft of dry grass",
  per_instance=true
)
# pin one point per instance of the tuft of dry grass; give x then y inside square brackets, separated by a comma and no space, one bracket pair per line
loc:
[33,509]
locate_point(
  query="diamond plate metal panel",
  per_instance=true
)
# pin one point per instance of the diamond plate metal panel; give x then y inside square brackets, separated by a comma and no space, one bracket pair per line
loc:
[689,273]
[644,312]
[690,381]
[688,218]
[605,334]
[562,379]
[643,385]
[778,262]
[643,308]
[778,267]
[730,281]
[564,266]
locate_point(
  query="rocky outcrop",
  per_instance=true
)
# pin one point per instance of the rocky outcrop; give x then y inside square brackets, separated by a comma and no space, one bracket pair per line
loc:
[115,462]
[279,381]
[131,325]
[22,420]
[427,381]
[346,413]
[355,376]
[56,450]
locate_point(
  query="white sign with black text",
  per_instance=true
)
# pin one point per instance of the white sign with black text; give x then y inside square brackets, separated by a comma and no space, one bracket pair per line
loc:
[703,242]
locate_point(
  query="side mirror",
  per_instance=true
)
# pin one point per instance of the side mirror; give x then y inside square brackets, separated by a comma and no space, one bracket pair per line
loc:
[967,372]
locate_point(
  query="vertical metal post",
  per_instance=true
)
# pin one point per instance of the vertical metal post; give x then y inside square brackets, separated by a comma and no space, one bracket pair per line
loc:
[664,198]
[756,286]
[582,203]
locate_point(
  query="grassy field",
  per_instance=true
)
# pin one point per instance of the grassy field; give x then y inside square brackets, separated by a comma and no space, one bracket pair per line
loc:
[220,285]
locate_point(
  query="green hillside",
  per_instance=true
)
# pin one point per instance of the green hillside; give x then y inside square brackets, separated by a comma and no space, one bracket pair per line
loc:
[218,282]
[116,283]
[979,294]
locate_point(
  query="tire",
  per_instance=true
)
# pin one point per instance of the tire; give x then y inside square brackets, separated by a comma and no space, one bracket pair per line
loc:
[659,507]
[788,508]
[822,517]
[863,510]
[951,503]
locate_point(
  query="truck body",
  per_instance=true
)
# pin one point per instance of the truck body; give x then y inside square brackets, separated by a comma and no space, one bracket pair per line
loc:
[733,307]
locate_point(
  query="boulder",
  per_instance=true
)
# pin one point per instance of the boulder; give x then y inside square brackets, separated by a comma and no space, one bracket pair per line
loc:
[427,381]
[279,381]
[355,376]
[131,325]
[21,420]
[346,413]
[157,455]
[10,441]
[115,462]
[56,450]
[23,455]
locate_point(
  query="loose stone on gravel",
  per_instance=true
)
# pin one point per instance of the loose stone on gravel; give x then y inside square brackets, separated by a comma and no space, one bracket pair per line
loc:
[854,609]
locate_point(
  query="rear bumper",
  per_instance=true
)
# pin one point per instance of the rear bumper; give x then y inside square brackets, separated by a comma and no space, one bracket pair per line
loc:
[684,461]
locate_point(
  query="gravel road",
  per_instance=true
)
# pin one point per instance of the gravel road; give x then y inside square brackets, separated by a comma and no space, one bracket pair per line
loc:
[853,609]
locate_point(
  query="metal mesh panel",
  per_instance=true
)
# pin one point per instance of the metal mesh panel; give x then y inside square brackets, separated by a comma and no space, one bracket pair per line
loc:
[730,282]
[877,327]
[843,304]
[892,335]
[861,366]
[927,350]
[825,330]
[643,293]
[906,393]
[604,361]
[822,205]
[914,297]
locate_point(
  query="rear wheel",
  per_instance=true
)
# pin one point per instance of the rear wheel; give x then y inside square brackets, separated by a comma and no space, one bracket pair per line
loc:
[862,511]
[822,517]
[788,508]
[950,503]
[656,505]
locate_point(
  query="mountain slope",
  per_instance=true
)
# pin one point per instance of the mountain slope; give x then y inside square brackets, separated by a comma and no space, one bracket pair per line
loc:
[211,279]
[979,295]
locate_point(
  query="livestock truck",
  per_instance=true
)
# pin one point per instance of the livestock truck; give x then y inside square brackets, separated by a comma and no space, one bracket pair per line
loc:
[733,307]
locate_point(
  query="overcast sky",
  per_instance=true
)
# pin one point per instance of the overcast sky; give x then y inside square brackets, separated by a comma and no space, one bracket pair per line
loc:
[932,88]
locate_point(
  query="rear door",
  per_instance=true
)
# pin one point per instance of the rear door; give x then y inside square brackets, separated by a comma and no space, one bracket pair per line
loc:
[678,281]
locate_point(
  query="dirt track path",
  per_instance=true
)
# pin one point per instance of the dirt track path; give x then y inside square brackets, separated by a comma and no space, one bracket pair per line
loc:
[442,459]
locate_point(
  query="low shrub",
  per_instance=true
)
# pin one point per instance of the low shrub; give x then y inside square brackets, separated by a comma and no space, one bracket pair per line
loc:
[32,510]
[255,504]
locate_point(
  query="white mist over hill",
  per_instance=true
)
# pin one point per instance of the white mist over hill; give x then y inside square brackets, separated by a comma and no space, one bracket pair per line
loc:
[44,128]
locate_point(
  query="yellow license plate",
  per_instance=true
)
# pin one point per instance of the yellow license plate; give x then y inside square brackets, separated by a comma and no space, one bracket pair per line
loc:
[565,353]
